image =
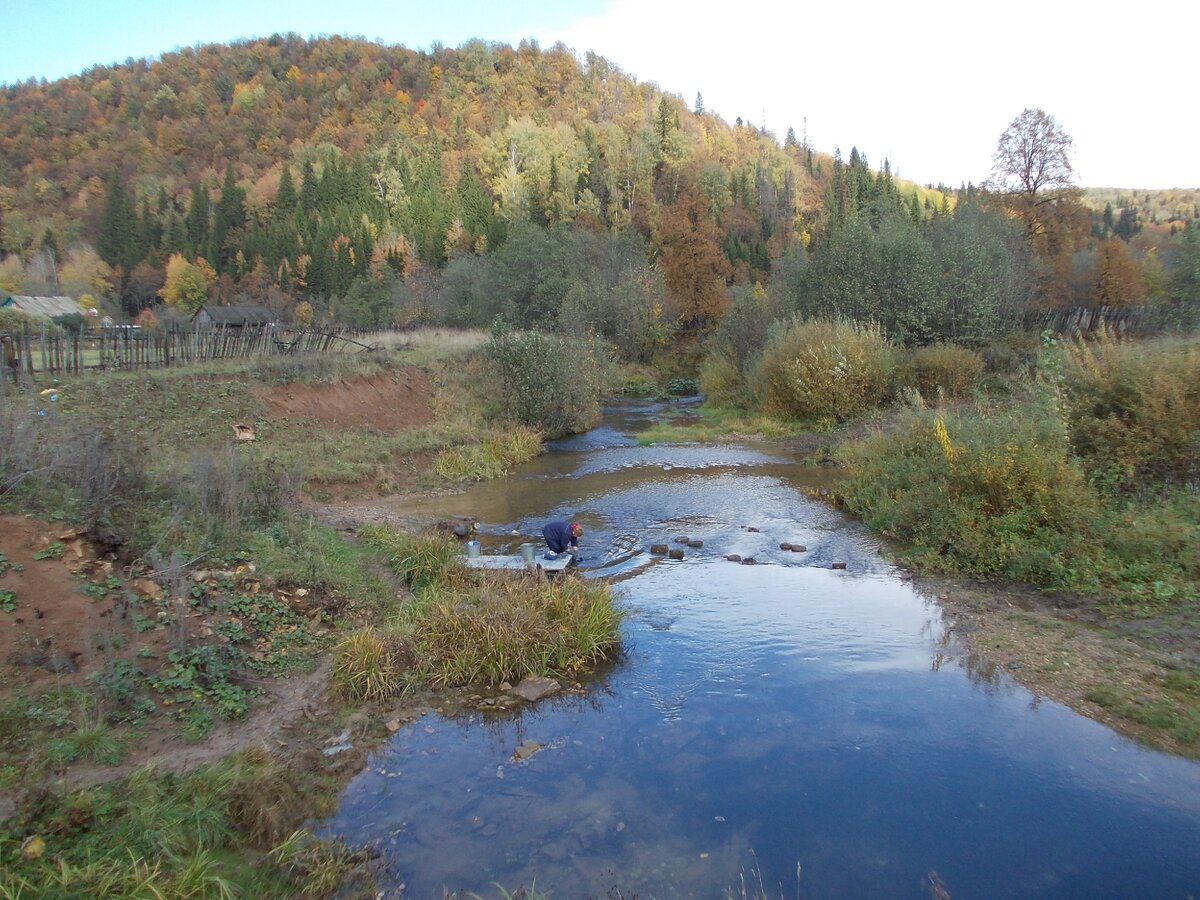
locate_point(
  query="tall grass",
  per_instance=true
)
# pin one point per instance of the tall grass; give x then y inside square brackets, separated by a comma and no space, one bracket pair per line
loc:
[421,561]
[500,450]
[154,835]
[502,628]
[368,665]
[469,626]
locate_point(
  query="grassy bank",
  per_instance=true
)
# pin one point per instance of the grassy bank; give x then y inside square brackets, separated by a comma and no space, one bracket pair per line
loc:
[204,585]
[222,830]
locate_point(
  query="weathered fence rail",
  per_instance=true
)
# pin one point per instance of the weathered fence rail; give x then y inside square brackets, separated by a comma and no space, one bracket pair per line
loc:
[54,352]
[1125,320]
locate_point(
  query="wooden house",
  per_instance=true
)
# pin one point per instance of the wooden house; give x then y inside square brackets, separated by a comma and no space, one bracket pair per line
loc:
[239,316]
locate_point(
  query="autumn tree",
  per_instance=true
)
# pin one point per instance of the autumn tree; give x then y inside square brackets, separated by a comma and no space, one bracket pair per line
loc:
[1119,277]
[695,270]
[1032,170]
[186,286]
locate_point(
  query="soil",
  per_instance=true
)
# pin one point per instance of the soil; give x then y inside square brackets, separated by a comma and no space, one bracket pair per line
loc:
[390,401]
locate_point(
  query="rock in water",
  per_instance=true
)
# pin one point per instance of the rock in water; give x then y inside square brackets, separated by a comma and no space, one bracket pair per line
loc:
[535,687]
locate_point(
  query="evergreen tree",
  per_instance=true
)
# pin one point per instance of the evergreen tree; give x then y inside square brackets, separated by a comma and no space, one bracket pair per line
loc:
[117,225]
[285,199]
[308,187]
[198,222]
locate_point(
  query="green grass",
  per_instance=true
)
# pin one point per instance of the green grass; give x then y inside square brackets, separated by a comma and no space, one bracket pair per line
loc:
[1173,713]
[714,423]
[494,456]
[154,835]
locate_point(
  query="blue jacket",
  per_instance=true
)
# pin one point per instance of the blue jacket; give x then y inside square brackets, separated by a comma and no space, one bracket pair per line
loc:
[558,536]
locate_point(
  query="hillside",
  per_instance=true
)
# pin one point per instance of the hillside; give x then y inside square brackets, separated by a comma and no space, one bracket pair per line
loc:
[317,157]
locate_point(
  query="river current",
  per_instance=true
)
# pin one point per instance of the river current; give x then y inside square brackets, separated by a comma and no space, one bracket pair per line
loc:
[784,729]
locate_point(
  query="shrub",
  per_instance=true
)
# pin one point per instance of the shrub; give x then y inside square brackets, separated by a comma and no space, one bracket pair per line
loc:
[822,370]
[992,493]
[947,369]
[1134,410]
[549,382]
[722,382]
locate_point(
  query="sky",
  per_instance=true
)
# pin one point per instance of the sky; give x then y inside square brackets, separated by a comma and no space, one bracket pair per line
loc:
[929,85]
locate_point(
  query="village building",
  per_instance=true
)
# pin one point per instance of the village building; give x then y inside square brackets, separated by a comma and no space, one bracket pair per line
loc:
[239,316]
[46,308]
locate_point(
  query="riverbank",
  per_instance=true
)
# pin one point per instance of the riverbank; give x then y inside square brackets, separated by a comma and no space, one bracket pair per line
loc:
[1133,666]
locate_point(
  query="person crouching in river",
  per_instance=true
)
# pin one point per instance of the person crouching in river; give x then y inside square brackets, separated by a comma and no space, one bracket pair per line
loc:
[562,536]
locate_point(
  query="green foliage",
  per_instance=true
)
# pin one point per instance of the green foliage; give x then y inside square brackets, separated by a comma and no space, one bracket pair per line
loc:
[993,493]
[822,370]
[152,835]
[1134,411]
[549,382]
[421,561]
[8,601]
[202,674]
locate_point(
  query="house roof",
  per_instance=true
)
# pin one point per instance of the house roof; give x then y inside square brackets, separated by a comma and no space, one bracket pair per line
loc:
[42,307]
[244,314]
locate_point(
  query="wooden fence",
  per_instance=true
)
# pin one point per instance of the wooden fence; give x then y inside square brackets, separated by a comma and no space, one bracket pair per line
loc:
[59,353]
[1133,321]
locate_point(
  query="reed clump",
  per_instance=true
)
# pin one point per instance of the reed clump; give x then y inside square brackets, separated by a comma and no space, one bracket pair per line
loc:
[501,627]
[465,626]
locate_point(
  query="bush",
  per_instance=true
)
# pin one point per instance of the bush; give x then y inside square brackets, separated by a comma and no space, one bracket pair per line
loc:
[822,370]
[945,369]
[991,493]
[1134,410]
[722,382]
[549,382]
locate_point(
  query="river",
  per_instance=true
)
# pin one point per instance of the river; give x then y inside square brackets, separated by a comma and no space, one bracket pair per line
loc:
[784,729]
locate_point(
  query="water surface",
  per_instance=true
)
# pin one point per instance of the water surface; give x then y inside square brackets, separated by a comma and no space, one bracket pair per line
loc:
[784,724]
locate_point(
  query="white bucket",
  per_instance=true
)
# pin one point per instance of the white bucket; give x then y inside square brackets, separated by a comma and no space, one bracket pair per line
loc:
[472,549]
[527,553]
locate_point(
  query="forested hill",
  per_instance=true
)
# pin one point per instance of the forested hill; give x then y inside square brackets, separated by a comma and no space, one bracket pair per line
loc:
[312,158]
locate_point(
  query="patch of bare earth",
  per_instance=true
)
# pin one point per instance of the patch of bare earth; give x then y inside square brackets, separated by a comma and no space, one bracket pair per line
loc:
[1058,648]
[58,636]
[389,401]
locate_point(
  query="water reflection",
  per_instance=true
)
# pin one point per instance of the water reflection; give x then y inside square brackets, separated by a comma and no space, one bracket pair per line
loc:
[763,717]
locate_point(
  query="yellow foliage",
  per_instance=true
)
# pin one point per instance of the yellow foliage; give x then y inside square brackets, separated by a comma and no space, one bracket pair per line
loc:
[943,438]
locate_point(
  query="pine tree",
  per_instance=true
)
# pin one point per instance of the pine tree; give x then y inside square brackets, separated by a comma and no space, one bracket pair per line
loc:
[117,224]
[285,199]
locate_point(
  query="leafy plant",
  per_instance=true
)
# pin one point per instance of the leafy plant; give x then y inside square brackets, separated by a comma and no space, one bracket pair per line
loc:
[8,601]
[54,551]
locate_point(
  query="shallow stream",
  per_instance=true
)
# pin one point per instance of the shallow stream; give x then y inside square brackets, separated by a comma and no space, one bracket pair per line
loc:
[781,729]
